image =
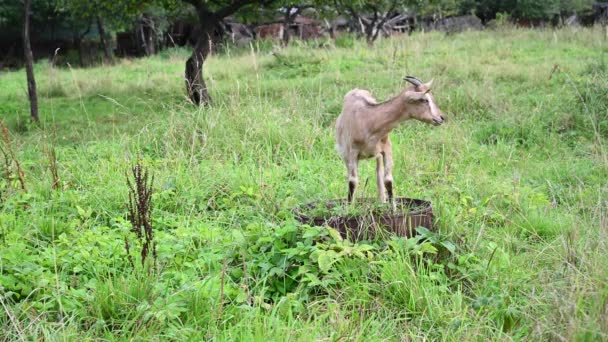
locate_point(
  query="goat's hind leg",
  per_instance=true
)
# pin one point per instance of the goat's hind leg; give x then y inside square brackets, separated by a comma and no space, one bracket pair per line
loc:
[351,165]
[387,154]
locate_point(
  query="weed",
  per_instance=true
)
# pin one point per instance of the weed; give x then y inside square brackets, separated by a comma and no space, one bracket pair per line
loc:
[12,166]
[52,160]
[140,213]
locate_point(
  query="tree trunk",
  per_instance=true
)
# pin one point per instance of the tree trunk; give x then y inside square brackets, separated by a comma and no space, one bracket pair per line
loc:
[413,26]
[369,35]
[147,34]
[142,46]
[151,43]
[29,63]
[78,45]
[286,23]
[78,39]
[107,52]
[150,35]
[332,30]
[285,40]
[195,83]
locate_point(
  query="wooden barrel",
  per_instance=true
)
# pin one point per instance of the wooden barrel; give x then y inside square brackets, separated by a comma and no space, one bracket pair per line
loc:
[409,214]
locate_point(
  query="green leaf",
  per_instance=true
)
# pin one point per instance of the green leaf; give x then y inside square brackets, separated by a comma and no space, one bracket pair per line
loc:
[326,259]
[334,234]
[364,248]
[427,247]
[449,246]
[85,214]
[311,232]
[238,236]
[423,231]
[276,271]
[312,279]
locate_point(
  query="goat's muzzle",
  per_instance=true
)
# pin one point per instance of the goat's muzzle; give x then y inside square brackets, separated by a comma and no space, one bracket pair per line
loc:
[437,121]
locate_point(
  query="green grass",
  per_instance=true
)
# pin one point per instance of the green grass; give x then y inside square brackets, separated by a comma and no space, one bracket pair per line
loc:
[517,179]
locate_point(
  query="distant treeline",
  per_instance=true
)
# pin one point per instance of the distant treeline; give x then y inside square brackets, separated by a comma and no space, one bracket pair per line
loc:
[83,30]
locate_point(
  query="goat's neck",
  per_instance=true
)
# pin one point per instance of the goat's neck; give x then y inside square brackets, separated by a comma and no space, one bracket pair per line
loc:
[388,115]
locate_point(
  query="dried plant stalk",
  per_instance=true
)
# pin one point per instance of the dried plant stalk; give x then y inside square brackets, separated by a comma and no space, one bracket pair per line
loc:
[140,211]
[10,158]
[52,158]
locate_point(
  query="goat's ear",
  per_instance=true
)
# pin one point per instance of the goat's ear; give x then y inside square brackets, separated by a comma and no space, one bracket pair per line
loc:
[415,96]
[428,85]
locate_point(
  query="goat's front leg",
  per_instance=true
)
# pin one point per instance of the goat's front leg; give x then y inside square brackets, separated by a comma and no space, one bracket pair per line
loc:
[351,164]
[387,154]
[380,179]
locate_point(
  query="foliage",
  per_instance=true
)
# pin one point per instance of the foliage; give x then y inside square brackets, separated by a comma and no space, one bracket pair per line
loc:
[116,13]
[371,16]
[9,13]
[440,8]
[43,14]
[575,6]
[526,9]
[293,260]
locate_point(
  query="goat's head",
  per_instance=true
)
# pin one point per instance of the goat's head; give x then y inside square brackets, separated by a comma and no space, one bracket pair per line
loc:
[421,104]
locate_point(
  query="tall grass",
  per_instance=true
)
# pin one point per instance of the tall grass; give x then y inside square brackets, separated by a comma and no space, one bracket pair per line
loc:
[517,179]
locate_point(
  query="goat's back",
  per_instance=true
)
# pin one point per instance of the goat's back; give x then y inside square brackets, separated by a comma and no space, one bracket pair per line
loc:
[349,126]
[356,95]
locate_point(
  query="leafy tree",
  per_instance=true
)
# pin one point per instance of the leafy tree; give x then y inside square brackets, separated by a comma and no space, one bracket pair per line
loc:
[42,14]
[524,9]
[291,10]
[372,15]
[9,13]
[568,7]
[210,14]
[439,8]
[48,17]
[100,13]
[533,9]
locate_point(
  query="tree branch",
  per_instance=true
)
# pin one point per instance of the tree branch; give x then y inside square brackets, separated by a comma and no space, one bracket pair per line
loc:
[83,34]
[235,6]
[384,19]
[198,5]
[352,11]
[298,9]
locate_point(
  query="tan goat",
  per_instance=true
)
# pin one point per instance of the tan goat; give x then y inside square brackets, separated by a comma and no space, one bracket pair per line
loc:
[363,127]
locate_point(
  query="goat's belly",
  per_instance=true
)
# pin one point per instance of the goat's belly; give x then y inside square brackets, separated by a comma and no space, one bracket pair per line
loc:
[370,153]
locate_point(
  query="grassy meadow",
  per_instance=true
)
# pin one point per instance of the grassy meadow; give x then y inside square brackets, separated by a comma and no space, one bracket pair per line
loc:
[517,177]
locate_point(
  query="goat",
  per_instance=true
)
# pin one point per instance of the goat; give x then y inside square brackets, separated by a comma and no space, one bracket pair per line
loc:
[363,126]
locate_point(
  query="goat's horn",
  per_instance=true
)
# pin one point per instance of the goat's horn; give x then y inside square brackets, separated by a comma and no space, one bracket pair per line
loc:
[413,80]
